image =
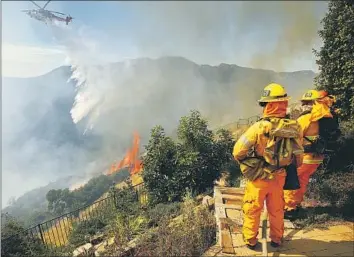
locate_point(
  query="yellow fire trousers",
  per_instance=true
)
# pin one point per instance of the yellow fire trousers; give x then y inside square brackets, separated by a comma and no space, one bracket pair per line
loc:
[293,198]
[256,192]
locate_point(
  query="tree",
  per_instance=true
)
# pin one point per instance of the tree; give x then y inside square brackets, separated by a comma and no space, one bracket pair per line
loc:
[64,200]
[336,56]
[225,144]
[201,151]
[159,166]
[58,201]
[336,64]
[171,169]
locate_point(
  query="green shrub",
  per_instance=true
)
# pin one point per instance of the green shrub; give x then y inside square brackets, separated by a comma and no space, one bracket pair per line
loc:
[60,251]
[334,190]
[338,190]
[162,211]
[190,235]
[126,201]
[342,159]
[125,228]
[234,174]
[14,242]
[82,231]
[334,180]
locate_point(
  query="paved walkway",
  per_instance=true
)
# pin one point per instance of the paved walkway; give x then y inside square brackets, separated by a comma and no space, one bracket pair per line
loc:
[336,240]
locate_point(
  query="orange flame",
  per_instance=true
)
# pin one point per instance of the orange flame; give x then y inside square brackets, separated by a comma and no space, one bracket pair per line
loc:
[112,169]
[138,167]
[130,160]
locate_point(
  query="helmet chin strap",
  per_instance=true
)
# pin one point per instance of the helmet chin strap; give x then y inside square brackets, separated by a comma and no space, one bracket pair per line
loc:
[262,104]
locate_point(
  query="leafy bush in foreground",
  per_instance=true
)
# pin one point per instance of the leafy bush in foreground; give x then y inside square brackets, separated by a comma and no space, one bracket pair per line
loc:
[334,191]
[161,211]
[83,230]
[17,243]
[191,234]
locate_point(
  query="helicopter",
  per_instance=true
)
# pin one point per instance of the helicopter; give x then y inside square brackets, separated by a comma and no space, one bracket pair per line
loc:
[44,15]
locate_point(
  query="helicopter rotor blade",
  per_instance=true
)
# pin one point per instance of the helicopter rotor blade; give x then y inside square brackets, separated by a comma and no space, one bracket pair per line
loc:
[36,5]
[57,12]
[46,4]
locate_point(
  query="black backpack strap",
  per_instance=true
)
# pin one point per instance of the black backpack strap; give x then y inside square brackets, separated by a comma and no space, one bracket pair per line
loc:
[310,148]
[311,141]
[304,113]
[266,118]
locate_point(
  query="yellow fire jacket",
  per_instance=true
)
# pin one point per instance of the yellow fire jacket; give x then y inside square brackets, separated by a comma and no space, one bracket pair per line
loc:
[311,131]
[255,136]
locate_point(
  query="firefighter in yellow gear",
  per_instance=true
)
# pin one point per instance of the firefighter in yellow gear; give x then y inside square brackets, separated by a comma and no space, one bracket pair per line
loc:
[320,103]
[307,100]
[274,102]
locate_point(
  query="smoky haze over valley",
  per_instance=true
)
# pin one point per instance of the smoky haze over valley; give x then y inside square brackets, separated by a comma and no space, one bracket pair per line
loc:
[47,119]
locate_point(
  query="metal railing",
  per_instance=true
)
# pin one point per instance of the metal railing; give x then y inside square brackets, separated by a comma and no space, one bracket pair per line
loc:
[246,122]
[241,123]
[56,232]
[141,193]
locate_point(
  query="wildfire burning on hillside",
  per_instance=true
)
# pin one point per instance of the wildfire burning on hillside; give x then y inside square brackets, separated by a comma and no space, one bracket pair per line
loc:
[131,159]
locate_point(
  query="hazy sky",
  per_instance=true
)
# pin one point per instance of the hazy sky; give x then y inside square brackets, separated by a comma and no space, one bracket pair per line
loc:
[271,35]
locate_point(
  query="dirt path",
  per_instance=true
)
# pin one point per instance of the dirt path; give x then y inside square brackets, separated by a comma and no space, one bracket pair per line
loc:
[335,240]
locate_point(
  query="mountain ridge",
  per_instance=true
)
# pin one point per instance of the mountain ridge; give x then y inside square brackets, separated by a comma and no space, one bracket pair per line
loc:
[68,67]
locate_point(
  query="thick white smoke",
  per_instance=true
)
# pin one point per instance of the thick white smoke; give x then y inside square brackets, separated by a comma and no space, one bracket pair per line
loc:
[82,55]
[129,95]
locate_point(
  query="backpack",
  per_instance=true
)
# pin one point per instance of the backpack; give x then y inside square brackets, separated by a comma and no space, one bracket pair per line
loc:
[283,142]
[328,135]
[254,167]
